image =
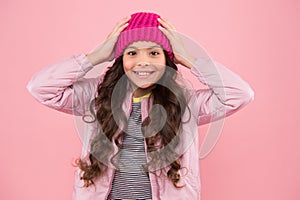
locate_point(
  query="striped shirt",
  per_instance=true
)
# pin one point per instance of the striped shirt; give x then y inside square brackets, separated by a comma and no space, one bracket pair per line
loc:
[131,181]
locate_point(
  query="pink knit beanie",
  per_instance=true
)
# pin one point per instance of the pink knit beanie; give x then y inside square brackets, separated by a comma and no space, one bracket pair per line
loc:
[142,27]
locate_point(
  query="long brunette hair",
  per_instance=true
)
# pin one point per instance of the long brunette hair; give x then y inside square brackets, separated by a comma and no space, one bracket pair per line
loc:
[163,143]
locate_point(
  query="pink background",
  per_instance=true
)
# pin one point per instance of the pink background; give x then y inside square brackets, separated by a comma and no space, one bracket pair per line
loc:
[258,154]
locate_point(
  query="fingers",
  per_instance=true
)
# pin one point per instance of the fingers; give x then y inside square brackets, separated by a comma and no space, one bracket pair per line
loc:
[166,24]
[121,23]
[119,27]
[165,31]
[124,20]
[167,28]
[169,31]
[181,56]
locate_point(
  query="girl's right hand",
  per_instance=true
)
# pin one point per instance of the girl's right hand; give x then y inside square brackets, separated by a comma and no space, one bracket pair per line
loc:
[105,52]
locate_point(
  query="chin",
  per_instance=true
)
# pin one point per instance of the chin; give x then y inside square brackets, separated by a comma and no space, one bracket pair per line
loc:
[144,86]
[147,86]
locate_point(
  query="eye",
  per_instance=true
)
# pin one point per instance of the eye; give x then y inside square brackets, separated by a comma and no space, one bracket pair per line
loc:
[154,53]
[131,53]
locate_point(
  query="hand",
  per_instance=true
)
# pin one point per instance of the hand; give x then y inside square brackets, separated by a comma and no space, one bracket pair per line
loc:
[181,56]
[105,52]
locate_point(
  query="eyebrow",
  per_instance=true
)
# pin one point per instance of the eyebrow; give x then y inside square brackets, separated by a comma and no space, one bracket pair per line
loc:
[134,47]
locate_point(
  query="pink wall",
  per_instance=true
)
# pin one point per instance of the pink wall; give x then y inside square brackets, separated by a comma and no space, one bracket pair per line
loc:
[258,154]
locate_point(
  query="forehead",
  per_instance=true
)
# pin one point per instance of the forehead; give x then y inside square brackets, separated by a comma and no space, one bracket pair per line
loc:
[143,45]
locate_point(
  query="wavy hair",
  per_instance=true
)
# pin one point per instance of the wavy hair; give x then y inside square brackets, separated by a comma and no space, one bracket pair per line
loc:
[163,143]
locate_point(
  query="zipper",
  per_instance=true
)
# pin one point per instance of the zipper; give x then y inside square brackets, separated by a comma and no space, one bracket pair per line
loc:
[110,184]
[144,110]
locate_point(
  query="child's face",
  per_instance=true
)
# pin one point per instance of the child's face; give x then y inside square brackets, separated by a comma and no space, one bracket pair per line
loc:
[144,63]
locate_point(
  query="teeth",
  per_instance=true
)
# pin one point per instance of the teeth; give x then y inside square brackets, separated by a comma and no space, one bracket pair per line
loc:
[142,73]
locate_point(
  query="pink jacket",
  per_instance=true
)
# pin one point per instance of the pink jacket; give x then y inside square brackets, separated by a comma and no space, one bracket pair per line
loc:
[55,87]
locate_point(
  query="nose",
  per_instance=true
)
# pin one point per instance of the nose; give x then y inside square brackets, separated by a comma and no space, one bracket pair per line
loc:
[143,60]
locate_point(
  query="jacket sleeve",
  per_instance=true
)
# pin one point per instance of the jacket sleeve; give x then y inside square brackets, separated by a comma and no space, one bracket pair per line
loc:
[227,92]
[61,86]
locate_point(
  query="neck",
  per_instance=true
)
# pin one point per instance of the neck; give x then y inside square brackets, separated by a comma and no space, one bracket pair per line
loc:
[139,92]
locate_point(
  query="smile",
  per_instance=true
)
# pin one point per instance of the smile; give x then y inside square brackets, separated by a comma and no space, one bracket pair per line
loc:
[143,73]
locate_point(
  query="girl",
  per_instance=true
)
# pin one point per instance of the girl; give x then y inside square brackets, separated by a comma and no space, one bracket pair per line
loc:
[141,117]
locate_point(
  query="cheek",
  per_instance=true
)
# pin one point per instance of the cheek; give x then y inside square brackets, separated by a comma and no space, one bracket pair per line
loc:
[128,65]
[161,71]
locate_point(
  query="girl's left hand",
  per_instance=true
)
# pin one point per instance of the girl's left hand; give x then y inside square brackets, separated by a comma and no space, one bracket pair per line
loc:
[181,56]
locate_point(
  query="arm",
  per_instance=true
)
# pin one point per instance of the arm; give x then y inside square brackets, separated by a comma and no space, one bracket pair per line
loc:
[61,86]
[227,92]
[55,85]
